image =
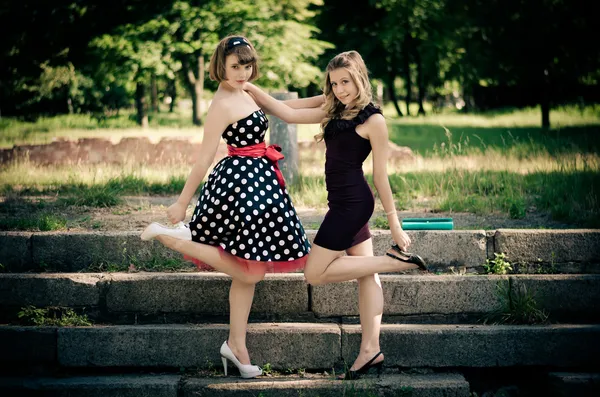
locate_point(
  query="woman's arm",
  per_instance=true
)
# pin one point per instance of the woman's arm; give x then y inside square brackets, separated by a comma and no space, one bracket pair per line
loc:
[377,133]
[213,128]
[283,111]
[304,103]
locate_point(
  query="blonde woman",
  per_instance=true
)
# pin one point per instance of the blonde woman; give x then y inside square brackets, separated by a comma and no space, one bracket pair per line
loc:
[352,127]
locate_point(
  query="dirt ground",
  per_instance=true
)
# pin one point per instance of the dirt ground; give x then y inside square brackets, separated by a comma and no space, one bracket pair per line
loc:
[137,212]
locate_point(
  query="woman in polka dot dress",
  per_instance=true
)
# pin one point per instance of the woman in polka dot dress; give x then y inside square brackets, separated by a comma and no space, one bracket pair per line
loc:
[244,223]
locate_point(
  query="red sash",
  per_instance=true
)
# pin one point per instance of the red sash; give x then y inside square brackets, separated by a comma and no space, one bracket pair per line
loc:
[272,152]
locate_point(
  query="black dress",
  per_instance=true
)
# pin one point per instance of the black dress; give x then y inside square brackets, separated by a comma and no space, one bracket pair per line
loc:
[244,210]
[350,199]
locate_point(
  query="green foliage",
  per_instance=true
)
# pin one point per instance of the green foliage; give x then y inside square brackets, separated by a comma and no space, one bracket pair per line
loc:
[94,196]
[518,307]
[267,369]
[381,222]
[498,265]
[53,316]
[43,222]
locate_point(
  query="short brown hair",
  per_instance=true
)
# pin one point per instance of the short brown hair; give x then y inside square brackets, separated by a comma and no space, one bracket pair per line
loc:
[245,53]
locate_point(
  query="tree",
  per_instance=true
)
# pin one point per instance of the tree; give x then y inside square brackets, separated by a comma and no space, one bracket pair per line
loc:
[135,53]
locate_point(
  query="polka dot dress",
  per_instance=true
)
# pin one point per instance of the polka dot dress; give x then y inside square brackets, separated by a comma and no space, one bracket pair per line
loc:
[243,209]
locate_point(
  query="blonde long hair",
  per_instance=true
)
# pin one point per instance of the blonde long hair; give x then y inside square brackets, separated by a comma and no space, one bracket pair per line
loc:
[334,109]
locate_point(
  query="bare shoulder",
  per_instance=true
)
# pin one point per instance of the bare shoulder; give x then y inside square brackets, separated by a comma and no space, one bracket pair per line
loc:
[217,116]
[375,120]
[375,126]
[218,107]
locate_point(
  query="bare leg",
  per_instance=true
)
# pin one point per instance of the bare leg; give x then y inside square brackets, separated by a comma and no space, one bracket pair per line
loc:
[370,306]
[327,266]
[240,302]
[241,292]
[221,261]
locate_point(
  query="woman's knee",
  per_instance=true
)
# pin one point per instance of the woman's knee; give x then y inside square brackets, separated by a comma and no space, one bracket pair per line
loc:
[252,275]
[313,278]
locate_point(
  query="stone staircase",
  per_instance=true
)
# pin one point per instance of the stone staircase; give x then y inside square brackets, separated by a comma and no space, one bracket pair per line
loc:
[158,334]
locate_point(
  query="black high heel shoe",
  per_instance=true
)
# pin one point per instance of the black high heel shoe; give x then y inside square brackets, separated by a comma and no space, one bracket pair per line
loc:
[353,375]
[407,257]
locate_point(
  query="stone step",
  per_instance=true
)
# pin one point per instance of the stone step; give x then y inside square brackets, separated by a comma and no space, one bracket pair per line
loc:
[300,345]
[431,385]
[566,384]
[564,251]
[92,386]
[125,298]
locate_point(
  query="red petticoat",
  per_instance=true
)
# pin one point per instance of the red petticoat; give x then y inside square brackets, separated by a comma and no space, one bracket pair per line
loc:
[254,266]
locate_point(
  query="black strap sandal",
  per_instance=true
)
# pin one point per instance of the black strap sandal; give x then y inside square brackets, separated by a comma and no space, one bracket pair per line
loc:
[407,257]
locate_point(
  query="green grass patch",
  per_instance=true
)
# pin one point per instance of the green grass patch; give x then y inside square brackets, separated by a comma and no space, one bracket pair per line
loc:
[569,196]
[94,196]
[43,222]
[52,316]
[133,264]
[74,126]
[519,306]
[308,191]
[518,142]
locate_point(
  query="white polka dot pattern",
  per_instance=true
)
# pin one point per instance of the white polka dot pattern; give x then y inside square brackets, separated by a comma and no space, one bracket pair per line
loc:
[241,206]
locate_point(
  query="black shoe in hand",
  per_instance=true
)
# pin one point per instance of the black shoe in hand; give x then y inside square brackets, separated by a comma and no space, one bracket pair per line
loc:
[396,253]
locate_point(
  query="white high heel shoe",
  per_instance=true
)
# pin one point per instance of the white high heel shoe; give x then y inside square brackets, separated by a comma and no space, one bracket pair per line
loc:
[247,371]
[154,229]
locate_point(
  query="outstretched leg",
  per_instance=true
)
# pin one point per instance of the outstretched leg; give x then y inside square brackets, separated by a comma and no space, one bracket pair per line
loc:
[327,266]
[218,259]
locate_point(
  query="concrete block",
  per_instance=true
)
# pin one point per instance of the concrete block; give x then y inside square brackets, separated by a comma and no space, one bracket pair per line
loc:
[15,252]
[481,345]
[564,297]
[549,246]
[283,345]
[92,386]
[434,385]
[43,290]
[201,293]
[441,249]
[422,295]
[29,346]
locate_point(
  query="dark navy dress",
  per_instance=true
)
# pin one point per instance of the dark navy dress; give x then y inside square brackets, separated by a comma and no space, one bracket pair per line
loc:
[350,199]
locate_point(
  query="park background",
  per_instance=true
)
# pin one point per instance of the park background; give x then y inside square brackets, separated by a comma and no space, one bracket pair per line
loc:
[491,105]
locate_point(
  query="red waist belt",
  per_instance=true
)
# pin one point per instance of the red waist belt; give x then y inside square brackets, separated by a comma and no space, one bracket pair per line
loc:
[272,152]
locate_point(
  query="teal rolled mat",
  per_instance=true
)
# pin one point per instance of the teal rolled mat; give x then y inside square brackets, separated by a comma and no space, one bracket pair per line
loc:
[427,224]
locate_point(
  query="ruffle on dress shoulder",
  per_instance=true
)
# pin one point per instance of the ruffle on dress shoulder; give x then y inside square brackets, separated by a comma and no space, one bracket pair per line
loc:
[336,126]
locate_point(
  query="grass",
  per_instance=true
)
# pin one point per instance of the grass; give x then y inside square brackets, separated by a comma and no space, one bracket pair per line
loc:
[569,192]
[519,306]
[52,316]
[132,264]
[491,163]
[420,133]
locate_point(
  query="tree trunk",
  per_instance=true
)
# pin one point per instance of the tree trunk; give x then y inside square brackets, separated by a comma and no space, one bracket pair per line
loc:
[378,93]
[407,78]
[420,80]
[172,94]
[154,94]
[200,88]
[545,101]
[195,86]
[392,92]
[140,104]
